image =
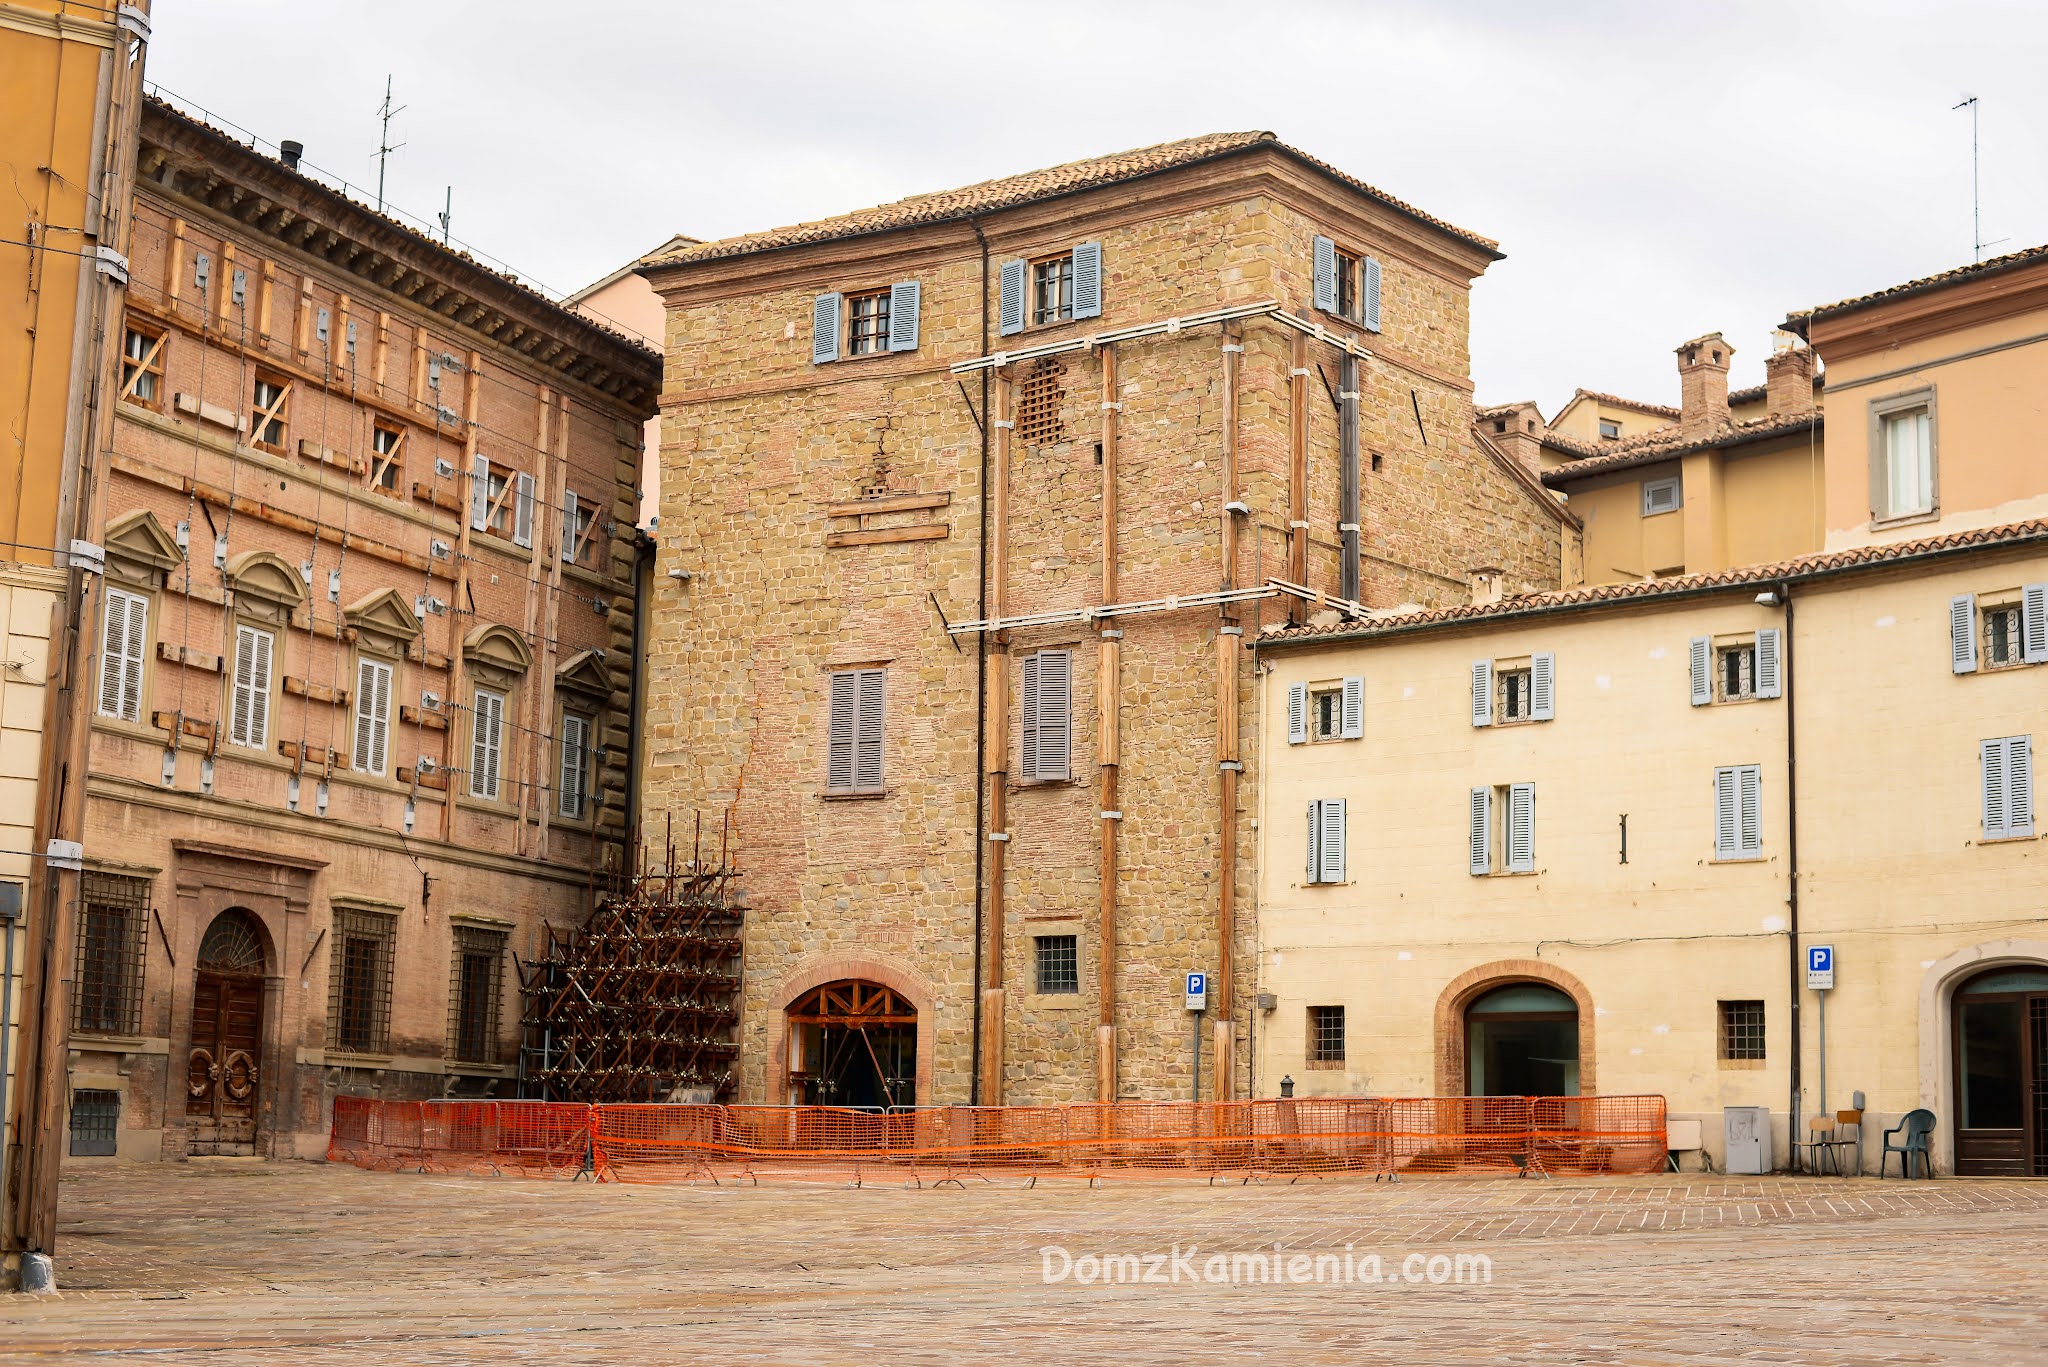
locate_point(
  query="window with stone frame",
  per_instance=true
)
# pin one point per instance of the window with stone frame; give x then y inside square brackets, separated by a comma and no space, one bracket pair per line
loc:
[1052,289]
[1512,700]
[387,451]
[1735,672]
[2003,644]
[1058,962]
[1326,713]
[112,930]
[1742,1030]
[1326,1036]
[142,366]
[474,989]
[867,323]
[359,984]
[269,410]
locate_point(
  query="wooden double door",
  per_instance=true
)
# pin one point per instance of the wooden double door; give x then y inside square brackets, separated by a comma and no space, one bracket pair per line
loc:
[223,1071]
[2001,1064]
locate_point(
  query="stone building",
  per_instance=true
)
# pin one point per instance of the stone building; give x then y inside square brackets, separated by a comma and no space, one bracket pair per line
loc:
[969,504]
[361,721]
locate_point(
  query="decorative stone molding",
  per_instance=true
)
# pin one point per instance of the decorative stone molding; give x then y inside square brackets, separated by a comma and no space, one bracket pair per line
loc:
[265,586]
[585,674]
[899,978]
[496,655]
[383,622]
[140,551]
[1474,983]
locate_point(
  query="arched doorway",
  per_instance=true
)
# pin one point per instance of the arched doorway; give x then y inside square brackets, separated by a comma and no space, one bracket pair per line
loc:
[1999,1031]
[222,1072]
[1522,1039]
[852,1043]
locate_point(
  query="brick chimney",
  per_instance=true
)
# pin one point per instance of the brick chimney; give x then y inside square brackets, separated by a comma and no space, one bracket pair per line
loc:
[1788,381]
[1518,430]
[1703,384]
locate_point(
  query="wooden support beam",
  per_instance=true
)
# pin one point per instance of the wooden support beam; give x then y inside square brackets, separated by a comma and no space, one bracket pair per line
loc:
[996,645]
[889,503]
[1108,707]
[1297,476]
[1229,650]
[881,536]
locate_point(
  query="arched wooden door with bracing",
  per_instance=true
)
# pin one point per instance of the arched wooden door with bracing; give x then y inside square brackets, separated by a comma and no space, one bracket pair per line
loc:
[223,1071]
[852,1043]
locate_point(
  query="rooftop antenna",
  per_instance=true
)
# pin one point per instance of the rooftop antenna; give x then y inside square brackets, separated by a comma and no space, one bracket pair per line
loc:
[384,145]
[446,214]
[1969,102]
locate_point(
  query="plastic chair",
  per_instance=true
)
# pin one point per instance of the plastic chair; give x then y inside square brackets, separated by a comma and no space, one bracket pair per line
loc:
[1915,1126]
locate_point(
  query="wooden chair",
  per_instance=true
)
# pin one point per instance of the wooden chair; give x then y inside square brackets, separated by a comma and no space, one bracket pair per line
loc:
[1847,1144]
[1818,1147]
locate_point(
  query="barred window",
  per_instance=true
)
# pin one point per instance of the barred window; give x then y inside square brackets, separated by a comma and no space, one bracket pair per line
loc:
[1742,1030]
[1059,963]
[473,995]
[359,995]
[1326,1034]
[95,1122]
[113,917]
[867,323]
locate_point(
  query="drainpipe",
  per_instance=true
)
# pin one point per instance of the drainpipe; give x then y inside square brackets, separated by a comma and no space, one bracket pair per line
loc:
[1796,963]
[980,687]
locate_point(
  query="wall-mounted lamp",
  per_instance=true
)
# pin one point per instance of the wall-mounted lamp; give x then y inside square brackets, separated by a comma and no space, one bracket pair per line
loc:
[1238,507]
[679,574]
[1767,599]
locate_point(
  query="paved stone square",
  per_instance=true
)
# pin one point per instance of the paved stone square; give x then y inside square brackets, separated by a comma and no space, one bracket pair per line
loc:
[246,1261]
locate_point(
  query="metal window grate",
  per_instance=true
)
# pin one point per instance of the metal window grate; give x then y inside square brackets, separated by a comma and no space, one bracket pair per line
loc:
[1039,400]
[1742,1030]
[359,996]
[1735,674]
[1514,702]
[867,328]
[113,914]
[473,992]
[95,1122]
[1059,963]
[2002,636]
[1326,1034]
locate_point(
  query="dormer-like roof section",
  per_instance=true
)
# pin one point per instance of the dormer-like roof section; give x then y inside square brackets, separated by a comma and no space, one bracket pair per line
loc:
[991,196]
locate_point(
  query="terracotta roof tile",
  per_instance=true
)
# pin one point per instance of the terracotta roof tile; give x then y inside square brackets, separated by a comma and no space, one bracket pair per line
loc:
[1801,567]
[1619,402]
[2010,261]
[991,195]
[1666,442]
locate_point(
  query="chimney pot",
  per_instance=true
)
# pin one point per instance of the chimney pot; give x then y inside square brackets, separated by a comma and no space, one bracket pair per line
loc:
[1788,382]
[290,152]
[1703,384]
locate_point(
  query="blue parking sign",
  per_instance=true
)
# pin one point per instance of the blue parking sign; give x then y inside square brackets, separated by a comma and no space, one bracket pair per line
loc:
[1820,967]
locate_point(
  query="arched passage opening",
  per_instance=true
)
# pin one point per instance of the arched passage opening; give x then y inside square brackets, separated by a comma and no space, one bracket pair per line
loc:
[1522,1039]
[223,1071]
[1999,1033]
[852,1043]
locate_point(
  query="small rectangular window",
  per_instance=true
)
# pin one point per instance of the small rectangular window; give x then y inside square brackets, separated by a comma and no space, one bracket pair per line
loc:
[1734,673]
[1609,429]
[867,323]
[142,367]
[1742,1030]
[2002,639]
[270,406]
[113,917]
[487,744]
[1326,713]
[498,517]
[359,985]
[1052,289]
[1906,462]
[1512,703]
[853,762]
[2008,778]
[1059,963]
[577,522]
[95,1122]
[1046,744]
[387,446]
[1347,285]
[473,992]
[1326,1034]
[1660,496]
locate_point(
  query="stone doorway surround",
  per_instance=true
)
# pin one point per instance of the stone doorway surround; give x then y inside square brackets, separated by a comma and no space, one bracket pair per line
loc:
[1937,1008]
[1475,983]
[900,978]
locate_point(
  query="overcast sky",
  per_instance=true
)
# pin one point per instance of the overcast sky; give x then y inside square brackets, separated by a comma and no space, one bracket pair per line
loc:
[1653,171]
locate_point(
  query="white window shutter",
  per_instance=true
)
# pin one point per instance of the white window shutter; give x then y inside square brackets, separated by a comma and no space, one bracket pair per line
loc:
[522,511]
[239,687]
[1543,686]
[1088,280]
[1028,689]
[569,525]
[1962,633]
[1324,281]
[845,713]
[575,762]
[1330,843]
[1369,294]
[1750,792]
[479,492]
[1522,828]
[1315,842]
[2019,785]
[1354,708]
[825,328]
[904,299]
[1055,713]
[259,703]
[249,722]
[2034,624]
[1481,813]
[1700,656]
[867,762]
[1482,692]
[366,693]
[138,651]
[1297,714]
[486,744]
[1995,790]
[1727,814]
[1769,676]
[1010,309]
[122,648]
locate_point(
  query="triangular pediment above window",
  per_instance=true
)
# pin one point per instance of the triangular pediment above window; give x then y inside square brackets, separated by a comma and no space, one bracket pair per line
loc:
[384,621]
[139,550]
[496,654]
[265,584]
[585,674]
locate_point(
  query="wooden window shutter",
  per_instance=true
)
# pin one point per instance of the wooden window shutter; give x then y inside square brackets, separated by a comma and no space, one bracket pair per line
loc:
[1700,656]
[825,328]
[1962,633]
[569,525]
[1543,687]
[904,300]
[1727,814]
[1369,294]
[1088,280]
[1769,677]
[1522,828]
[1010,310]
[522,511]
[1330,842]
[479,492]
[1055,713]
[1028,690]
[1315,840]
[575,766]
[2019,785]
[2034,624]
[1354,708]
[867,763]
[1481,834]
[1482,692]
[1750,792]
[1297,714]
[1323,281]
[842,724]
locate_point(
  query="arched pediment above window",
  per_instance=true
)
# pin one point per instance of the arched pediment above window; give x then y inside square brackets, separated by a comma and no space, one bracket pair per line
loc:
[265,585]
[496,654]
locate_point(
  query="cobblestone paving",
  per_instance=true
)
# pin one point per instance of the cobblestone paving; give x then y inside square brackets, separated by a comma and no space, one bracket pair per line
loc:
[240,1261]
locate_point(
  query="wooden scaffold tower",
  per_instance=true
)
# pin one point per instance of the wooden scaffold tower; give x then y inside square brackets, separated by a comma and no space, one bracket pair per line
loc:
[642,1002]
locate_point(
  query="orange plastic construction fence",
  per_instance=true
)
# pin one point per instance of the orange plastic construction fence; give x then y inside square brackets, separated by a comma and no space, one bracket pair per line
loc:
[1312,1135]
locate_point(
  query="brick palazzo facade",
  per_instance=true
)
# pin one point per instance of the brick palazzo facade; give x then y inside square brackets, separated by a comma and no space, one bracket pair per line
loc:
[824,519]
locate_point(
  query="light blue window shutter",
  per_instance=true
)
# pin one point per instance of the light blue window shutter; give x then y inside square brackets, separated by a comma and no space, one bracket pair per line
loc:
[1481,813]
[1369,294]
[1330,844]
[1962,633]
[1749,788]
[1010,310]
[1315,832]
[2019,785]
[1543,687]
[1297,714]
[904,300]
[1701,658]
[1995,790]
[1482,692]
[1354,708]
[825,328]
[1088,280]
[1727,814]
[2034,623]
[1325,276]
[1522,828]
[1769,681]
